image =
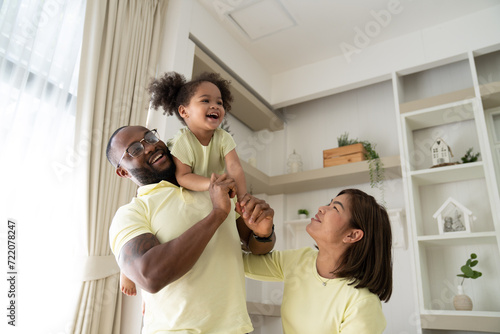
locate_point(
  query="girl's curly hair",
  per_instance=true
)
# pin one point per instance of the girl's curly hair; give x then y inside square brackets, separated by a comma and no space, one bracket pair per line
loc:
[172,90]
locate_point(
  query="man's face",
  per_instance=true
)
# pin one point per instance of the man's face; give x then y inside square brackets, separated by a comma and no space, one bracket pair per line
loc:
[152,166]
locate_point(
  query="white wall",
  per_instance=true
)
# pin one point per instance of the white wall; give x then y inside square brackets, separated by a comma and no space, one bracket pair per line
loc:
[374,63]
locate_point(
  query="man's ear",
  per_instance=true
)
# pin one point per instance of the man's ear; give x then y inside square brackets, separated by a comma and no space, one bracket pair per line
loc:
[122,172]
[354,236]
[183,112]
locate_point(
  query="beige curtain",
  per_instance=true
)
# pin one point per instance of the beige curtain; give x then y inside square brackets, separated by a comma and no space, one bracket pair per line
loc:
[120,49]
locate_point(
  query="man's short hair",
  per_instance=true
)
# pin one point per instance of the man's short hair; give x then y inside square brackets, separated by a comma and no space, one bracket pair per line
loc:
[109,149]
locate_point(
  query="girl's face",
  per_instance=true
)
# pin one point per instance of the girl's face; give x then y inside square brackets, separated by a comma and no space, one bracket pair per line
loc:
[331,224]
[205,110]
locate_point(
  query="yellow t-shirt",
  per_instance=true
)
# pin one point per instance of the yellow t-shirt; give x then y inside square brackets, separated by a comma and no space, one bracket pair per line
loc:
[210,298]
[308,305]
[203,160]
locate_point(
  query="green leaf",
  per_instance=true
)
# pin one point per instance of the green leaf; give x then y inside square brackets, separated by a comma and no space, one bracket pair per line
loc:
[467,271]
[473,256]
[473,263]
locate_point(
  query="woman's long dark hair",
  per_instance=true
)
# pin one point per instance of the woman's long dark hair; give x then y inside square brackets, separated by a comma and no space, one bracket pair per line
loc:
[172,90]
[368,261]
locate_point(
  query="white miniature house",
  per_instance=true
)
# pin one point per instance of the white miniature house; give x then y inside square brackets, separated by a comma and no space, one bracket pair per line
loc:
[453,217]
[441,152]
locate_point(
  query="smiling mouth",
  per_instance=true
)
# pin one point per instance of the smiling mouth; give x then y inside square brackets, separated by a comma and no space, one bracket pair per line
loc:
[156,157]
[213,115]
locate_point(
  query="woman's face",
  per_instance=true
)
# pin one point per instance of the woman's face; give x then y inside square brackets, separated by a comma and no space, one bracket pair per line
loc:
[331,224]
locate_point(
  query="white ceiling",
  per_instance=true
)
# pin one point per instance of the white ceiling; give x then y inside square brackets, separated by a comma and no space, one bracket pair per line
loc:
[299,32]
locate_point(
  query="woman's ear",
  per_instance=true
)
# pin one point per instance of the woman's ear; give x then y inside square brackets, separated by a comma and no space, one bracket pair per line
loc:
[122,172]
[354,236]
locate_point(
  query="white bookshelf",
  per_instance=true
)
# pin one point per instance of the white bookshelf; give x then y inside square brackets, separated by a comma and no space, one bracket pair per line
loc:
[451,100]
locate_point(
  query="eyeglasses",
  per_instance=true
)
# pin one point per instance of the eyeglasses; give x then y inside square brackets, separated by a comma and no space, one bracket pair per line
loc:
[136,149]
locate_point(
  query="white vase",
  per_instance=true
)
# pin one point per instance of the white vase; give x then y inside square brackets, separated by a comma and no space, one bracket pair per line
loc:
[461,301]
[302,216]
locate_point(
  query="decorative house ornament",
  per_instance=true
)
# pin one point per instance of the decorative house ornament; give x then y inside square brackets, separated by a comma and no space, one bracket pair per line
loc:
[441,152]
[294,163]
[453,217]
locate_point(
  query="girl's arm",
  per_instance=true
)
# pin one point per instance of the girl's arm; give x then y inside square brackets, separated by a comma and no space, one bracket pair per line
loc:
[186,178]
[235,171]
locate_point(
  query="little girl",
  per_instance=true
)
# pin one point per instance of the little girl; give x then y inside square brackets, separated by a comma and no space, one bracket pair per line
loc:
[202,148]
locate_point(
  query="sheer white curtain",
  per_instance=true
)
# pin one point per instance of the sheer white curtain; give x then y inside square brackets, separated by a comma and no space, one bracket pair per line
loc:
[40,44]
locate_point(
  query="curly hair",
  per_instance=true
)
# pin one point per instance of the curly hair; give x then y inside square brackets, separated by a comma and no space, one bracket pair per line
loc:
[173,90]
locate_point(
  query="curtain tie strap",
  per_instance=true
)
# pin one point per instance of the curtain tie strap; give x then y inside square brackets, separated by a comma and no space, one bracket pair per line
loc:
[98,267]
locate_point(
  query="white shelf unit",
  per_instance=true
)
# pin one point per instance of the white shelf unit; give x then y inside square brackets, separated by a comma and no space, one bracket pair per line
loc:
[337,176]
[447,100]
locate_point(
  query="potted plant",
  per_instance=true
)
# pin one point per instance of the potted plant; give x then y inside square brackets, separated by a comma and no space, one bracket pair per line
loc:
[469,156]
[303,213]
[375,165]
[462,301]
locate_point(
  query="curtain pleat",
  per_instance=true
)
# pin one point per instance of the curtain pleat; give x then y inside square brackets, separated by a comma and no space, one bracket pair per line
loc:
[119,57]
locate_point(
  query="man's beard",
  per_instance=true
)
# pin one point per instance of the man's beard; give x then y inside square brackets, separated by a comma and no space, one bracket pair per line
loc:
[148,176]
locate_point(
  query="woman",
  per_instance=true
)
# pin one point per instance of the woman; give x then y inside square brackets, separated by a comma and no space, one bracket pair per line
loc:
[338,287]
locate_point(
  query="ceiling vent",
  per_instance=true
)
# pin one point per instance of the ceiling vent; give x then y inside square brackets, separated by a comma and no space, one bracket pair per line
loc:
[262,18]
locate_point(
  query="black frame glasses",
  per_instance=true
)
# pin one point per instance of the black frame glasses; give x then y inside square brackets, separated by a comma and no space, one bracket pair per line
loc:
[136,149]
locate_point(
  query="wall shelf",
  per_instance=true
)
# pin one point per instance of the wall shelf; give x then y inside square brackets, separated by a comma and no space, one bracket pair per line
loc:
[458,239]
[490,95]
[461,320]
[323,178]
[437,100]
[460,172]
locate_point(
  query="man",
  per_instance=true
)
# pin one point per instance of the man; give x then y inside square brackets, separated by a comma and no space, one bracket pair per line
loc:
[182,247]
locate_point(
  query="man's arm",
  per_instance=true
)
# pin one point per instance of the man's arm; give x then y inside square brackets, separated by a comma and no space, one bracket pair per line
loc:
[153,266]
[256,220]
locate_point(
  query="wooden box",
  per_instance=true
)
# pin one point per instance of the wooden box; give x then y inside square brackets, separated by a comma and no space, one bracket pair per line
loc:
[343,155]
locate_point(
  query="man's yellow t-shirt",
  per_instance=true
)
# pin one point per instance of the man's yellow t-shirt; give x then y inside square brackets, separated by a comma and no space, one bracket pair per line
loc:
[210,298]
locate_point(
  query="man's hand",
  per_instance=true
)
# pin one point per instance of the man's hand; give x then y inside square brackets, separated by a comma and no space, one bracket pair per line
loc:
[257,215]
[221,189]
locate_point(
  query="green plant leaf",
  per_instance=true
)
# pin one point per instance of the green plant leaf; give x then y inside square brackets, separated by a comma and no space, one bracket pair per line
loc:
[473,263]
[476,274]
[467,271]
[473,256]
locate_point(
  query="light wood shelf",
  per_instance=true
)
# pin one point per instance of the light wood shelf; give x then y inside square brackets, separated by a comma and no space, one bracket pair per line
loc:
[490,94]
[462,320]
[323,178]
[437,100]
